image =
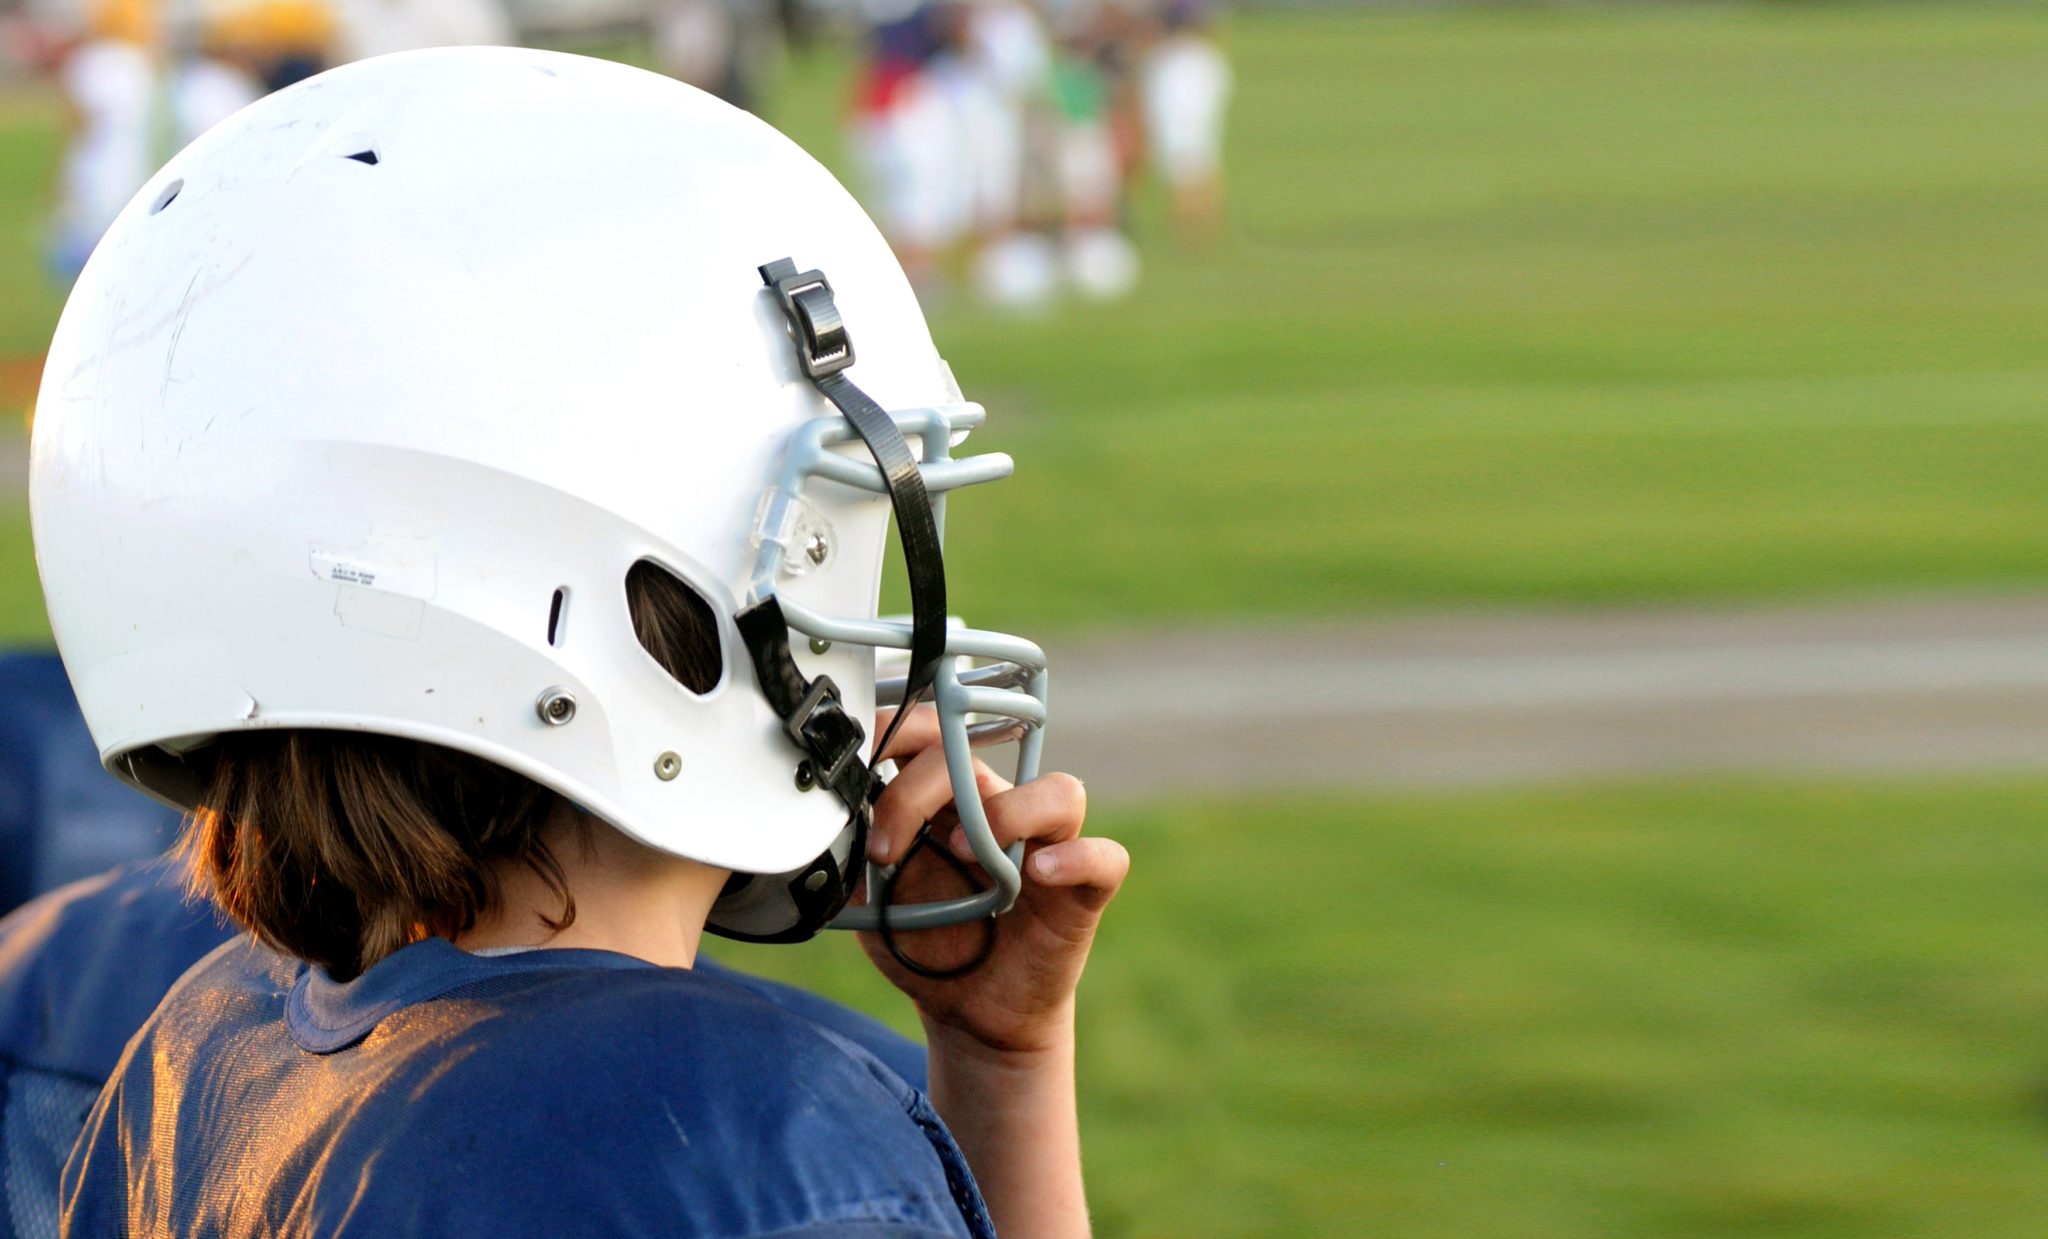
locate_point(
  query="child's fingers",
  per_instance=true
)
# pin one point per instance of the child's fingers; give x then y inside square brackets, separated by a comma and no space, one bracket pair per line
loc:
[921,788]
[1093,867]
[919,732]
[1049,808]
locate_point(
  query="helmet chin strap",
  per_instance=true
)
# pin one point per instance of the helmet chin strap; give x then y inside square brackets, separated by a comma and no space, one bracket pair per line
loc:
[811,710]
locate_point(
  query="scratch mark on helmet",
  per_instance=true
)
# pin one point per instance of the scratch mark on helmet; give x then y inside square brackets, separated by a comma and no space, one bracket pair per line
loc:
[178,331]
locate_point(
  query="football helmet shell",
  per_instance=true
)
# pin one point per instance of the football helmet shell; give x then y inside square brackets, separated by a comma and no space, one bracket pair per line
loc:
[363,409]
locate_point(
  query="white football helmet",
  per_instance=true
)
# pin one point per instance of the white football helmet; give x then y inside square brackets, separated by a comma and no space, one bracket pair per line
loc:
[364,408]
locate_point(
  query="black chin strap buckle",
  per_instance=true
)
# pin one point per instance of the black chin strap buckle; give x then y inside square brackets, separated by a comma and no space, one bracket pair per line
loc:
[821,727]
[816,722]
[823,347]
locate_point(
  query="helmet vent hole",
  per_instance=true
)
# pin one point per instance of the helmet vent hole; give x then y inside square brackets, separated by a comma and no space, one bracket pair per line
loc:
[675,625]
[364,156]
[168,195]
[558,617]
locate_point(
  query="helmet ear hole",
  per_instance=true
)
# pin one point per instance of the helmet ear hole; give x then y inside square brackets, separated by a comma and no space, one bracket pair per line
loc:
[675,625]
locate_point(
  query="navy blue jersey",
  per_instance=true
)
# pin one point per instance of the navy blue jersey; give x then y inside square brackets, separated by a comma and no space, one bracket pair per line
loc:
[80,969]
[902,1055]
[548,1093]
[62,817]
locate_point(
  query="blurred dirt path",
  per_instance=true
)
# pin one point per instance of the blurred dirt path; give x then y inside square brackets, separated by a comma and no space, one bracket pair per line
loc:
[1455,700]
[1874,687]
[18,379]
[13,456]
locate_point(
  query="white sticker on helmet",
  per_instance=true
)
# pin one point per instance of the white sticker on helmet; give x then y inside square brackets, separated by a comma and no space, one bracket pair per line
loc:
[390,565]
[387,615]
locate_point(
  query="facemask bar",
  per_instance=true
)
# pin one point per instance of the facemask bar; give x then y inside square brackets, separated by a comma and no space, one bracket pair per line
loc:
[1009,694]
[807,457]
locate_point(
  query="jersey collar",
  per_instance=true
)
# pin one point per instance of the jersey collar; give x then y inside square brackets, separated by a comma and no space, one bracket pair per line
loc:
[324,1015]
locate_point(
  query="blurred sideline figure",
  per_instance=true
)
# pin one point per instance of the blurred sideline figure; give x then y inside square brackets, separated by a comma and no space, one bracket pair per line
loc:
[1186,84]
[720,46]
[108,76]
[1016,267]
[207,88]
[904,136]
[374,27]
[1093,148]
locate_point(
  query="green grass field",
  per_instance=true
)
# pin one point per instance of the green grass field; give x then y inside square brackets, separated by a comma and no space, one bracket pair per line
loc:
[28,151]
[1794,1010]
[1521,307]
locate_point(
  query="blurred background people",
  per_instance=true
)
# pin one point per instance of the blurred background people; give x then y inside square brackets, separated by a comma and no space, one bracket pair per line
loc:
[907,137]
[999,143]
[144,77]
[722,46]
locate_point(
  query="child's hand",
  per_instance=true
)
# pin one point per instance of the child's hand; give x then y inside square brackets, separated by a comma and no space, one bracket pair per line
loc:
[1020,1000]
[1002,1036]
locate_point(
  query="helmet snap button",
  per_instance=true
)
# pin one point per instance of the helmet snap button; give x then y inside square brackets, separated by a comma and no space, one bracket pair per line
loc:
[556,706]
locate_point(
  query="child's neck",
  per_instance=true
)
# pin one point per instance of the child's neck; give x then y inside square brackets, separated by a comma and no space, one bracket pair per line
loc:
[629,898]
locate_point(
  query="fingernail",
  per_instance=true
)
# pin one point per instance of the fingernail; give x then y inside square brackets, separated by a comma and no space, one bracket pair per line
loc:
[958,842]
[878,849]
[1046,864]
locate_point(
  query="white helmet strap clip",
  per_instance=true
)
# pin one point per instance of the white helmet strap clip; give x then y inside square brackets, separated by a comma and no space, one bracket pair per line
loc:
[825,350]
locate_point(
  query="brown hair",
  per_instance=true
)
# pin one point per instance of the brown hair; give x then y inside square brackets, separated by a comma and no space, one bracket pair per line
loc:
[340,847]
[675,625]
